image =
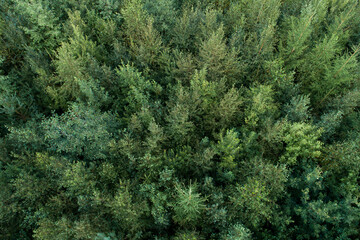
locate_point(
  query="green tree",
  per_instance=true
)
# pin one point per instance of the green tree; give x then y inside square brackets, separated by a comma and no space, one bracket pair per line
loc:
[179,119]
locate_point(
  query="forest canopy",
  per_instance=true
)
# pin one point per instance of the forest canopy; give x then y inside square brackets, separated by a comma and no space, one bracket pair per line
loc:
[179,119]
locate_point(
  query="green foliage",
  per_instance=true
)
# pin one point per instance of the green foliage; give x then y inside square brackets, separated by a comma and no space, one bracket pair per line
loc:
[317,215]
[261,106]
[58,230]
[102,236]
[219,59]
[42,23]
[238,232]
[9,103]
[228,147]
[133,90]
[125,212]
[186,28]
[252,27]
[17,104]
[92,134]
[299,29]
[301,141]
[187,235]
[252,202]
[164,16]
[188,206]
[203,99]
[298,109]
[72,59]
[179,119]
[143,39]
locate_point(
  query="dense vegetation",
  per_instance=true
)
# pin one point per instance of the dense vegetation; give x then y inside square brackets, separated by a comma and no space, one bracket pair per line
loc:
[179,119]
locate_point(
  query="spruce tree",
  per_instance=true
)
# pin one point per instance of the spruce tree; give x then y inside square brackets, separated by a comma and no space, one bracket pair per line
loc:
[179,120]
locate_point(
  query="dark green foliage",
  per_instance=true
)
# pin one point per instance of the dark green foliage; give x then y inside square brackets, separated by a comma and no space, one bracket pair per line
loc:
[179,119]
[93,129]
[238,232]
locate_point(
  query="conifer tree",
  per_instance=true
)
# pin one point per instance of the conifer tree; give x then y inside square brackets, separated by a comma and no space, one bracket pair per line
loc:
[179,120]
